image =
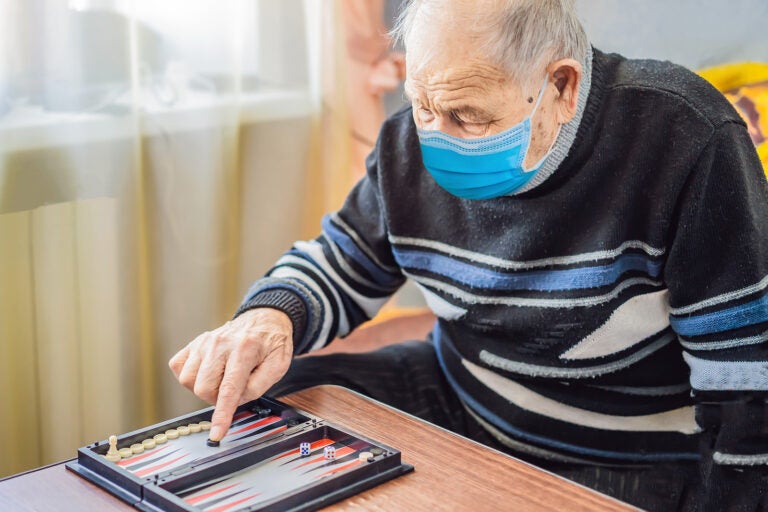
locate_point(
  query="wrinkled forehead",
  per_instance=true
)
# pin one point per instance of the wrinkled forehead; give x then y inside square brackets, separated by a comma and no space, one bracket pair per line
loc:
[443,48]
[437,62]
[461,76]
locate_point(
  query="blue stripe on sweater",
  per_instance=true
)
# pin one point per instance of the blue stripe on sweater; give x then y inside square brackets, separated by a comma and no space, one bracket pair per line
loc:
[540,280]
[744,315]
[350,248]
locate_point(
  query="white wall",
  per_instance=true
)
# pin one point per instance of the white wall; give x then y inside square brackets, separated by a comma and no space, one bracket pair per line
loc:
[694,33]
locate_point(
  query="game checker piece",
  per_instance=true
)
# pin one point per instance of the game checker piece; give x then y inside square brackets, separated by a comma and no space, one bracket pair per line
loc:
[273,457]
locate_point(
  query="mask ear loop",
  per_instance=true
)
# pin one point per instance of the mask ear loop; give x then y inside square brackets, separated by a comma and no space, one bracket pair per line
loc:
[529,120]
[538,100]
[549,151]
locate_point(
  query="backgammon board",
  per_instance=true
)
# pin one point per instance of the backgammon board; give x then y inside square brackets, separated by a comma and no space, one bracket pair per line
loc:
[274,457]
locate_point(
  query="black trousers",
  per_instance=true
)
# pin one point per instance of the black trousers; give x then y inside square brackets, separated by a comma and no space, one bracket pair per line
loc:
[407,376]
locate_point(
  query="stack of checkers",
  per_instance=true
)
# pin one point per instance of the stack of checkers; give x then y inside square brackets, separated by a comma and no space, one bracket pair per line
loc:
[114,454]
[371,455]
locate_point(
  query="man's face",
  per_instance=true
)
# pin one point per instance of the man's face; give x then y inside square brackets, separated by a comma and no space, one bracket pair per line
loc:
[456,91]
[462,96]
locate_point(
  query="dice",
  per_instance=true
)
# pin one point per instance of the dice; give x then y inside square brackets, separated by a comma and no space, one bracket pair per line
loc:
[304,449]
[329,452]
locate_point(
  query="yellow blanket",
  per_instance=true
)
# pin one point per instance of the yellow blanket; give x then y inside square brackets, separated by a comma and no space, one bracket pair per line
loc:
[746,87]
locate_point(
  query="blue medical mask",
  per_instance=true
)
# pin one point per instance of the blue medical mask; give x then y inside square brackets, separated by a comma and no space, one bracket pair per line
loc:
[481,168]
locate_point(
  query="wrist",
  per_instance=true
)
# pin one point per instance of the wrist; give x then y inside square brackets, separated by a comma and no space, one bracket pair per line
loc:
[281,304]
[265,315]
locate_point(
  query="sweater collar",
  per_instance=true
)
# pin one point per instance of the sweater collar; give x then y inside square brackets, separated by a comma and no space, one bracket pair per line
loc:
[567,135]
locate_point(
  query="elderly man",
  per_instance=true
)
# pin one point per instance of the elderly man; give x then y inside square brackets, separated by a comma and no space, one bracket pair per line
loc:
[592,233]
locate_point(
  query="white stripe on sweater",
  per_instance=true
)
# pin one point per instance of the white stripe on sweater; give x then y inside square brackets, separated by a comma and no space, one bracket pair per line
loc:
[720,299]
[709,375]
[361,244]
[725,344]
[535,370]
[325,328]
[351,272]
[471,298]
[441,307]
[521,447]
[368,305]
[450,250]
[637,319]
[728,459]
[678,420]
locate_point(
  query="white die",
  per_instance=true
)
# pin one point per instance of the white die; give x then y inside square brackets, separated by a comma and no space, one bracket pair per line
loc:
[304,449]
[329,452]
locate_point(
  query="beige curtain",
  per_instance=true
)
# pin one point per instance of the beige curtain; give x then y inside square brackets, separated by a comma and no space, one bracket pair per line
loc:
[359,68]
[330,163]
[372,69]
[155,158]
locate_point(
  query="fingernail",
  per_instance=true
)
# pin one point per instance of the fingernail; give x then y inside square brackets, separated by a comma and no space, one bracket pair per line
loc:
[215,434]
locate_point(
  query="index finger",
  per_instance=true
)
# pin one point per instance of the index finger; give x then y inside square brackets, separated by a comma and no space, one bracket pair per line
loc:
[230,390]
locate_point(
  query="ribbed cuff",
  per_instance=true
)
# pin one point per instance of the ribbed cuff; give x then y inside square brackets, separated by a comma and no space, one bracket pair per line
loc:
[281,300]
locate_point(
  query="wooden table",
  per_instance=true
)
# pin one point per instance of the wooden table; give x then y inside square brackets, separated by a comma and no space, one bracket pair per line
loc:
[452,473]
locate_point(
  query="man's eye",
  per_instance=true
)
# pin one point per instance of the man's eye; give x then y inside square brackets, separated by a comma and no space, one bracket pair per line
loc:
[425,114]
[458,119]
[466,120]
[469,125]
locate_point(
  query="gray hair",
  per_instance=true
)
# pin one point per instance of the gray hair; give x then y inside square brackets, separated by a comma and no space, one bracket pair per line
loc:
[519,36]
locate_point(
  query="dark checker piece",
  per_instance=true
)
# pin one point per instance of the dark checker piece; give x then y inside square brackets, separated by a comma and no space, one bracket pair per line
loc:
[262,412]
[212,443]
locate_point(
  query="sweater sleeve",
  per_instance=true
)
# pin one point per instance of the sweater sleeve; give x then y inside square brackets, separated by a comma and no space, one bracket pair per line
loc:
[717,274]
[330,285]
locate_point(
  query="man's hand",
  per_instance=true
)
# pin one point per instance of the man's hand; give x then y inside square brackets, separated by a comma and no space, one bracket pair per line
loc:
[236,363]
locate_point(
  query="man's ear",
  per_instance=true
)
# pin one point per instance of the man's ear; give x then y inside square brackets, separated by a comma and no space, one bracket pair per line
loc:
[566,74]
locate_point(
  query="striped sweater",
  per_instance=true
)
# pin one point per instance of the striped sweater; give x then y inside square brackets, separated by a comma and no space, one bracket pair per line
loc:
[614,313]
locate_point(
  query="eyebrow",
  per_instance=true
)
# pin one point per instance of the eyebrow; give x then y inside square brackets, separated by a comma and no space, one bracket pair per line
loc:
[468,109]
[476,112]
